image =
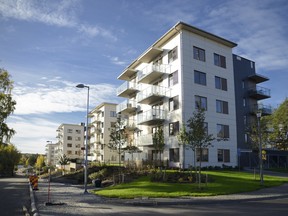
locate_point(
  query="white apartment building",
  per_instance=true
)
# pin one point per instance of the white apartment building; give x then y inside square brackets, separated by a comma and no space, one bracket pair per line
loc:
[102,118]
[184,67]
[51,157]
[70,141]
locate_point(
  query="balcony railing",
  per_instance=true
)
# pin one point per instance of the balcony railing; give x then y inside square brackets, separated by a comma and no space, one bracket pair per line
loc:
[152,117]
[152,72]
[152,94]
[127,89]
[259,93]
[265,109]
[127,106]
[145,140]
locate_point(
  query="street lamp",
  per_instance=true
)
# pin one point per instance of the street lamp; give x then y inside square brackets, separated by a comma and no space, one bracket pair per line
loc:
[86,138]
[260,147]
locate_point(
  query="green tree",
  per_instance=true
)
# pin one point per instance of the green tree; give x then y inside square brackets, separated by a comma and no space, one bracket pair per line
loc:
[118,137]
[63,160]
[9,158]
[158,141]
[40,162]
[7,106]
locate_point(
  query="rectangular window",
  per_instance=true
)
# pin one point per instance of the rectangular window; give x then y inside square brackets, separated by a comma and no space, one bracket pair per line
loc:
[200,102]
[174,103]
[113,114]
[172,55]
[206,127]
[69,152]
[200,77]
[221,83]
[222,107]
[174,155]
[219,60]
[102,114]
[222,131]
[78,138]
[69,130]
[223,155]
[69,138]
[78,131]
[174,128]
[198,53]
[173,79]
[203,154]
[69,145]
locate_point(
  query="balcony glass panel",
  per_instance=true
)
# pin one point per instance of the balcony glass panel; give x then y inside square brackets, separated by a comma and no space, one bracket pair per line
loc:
[152,94]
[152,72]
[151,117]
[126,106]
[126,89]
[259,92]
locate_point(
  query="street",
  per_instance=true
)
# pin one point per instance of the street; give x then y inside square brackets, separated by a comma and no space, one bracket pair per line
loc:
[14,194]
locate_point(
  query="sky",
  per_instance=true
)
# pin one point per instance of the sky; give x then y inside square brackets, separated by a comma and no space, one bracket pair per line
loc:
[50,46]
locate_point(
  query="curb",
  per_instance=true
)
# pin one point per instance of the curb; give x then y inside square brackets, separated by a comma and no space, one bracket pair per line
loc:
[34,209]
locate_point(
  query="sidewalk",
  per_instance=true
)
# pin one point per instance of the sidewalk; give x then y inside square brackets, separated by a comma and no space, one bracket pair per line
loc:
[68,199]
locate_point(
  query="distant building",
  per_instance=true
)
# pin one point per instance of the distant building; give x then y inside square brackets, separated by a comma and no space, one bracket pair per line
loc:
[102,119]
[51,157]
[70,141]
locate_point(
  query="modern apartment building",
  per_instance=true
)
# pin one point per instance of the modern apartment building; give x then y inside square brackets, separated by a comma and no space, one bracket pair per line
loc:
[70,141]
[102,119]
[184,68]
[249,95]
[51,157]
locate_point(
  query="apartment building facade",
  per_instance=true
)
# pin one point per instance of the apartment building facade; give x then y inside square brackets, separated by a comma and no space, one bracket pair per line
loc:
[102,118]
[70,141]
[50,152]
[164,86]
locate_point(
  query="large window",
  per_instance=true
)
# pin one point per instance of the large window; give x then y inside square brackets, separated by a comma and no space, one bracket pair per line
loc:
[174,103]
[219,60]
[203,154]
[220,83]
[174,128]
[222,107]
[223,155]
[69,130]
[199,53]
[222,131]
[172,55]
[200,102]
[69,138]
[173,79]
[113,114]
[200,77]
[174,155]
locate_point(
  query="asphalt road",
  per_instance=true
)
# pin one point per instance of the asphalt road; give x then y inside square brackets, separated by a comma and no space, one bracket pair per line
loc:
[14,194]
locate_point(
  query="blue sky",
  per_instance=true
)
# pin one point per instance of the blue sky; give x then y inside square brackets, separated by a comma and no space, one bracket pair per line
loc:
[49,46]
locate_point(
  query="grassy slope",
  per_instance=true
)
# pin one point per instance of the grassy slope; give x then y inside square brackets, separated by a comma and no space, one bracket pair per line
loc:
[223,183]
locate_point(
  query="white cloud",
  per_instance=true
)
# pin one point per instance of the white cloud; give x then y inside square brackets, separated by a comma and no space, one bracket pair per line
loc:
[59,96]
[115,60]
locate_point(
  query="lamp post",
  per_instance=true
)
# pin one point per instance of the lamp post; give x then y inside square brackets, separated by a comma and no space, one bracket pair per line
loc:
[260,147]
[86,138]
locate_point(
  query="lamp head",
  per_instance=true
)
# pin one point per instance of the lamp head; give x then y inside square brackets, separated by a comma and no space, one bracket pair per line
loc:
[80,86]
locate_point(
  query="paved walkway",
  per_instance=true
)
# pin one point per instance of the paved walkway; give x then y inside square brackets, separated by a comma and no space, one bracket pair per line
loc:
[65,199]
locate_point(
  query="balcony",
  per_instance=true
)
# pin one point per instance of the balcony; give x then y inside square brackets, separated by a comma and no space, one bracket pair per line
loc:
[127,74]
[257,78]
[150,54]
[127,89]
[152,94]
[265,109]
[259,93]
[151,117]
[152,72]
[126,107]
[145,140]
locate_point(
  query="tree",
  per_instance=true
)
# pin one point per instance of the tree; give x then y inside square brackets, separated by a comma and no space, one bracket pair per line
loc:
[9,158]
[158,141]
[118,137]
[197,137]
[7,106]
[40,162]
[63,160]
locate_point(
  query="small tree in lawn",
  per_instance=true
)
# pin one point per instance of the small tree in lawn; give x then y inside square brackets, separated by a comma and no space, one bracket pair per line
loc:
[118,138]
[158,141]
[63,160]
[197,137]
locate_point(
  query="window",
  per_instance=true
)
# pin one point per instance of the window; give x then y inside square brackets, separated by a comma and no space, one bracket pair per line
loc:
[172,55]
[78,131]
[222,131]
[221,83]
[69,145]
[200,77]
[219,60]
[206,127]
[173,79]
[174,155]
[69,152]
[202,153]
[69,138]
[199,53]
[78,138]
[77,146]
[200,102]
[102,113]
[244,102]
[174,103]
[223,155]
[113,114]
[221,107]
[69,131]
[174,128]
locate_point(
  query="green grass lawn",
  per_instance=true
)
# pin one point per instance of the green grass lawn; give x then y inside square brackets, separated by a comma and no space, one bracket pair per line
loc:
[223,182]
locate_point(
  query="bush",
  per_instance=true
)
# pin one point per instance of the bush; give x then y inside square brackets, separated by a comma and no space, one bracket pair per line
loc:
[99,175]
